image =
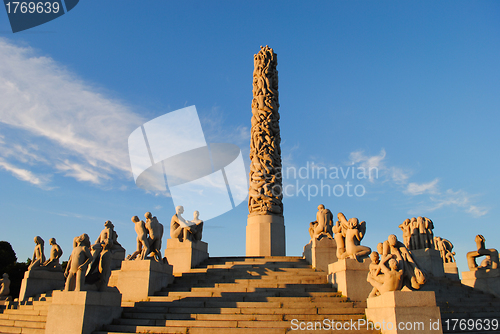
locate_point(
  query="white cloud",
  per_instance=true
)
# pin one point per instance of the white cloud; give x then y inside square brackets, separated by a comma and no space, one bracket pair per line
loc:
[80,131]
[26,175]
[418,189]
[458,199]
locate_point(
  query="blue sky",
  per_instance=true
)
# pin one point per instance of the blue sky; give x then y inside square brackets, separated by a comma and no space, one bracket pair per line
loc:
[410,88]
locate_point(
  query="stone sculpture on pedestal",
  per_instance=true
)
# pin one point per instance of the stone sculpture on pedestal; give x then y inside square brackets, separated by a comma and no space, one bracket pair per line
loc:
[383,278]
[155,230]
[142,240]
[265,225]
[323,224]
[445,248]
[55,254]
[348,235]
[413,276]
[417,233]
[78,263]
[38,254]
[491,261]
[182,229]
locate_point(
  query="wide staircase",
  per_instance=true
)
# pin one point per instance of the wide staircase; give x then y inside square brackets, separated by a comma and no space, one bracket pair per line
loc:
[26,317]
[263,295]
[457,301]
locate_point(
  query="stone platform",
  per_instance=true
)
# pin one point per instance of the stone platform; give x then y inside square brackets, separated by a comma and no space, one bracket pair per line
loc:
[40,281]
[81,312]
[485,280]
[139,279]
[349,277]
[320,253]
[405,312]
[185,255]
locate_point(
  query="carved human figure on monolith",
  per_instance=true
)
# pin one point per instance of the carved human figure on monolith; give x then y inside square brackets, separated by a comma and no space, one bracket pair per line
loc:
[491,261]
[323,224]
[155,230]
[143,249]
[38,254]
[412,274]
[183,229]
[5,286]
[77,265]
[348,235]
[55,254]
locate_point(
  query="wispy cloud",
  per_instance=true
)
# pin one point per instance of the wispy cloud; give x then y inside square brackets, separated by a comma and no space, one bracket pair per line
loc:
[26,175]
[422,188]
[436,199]
[77,130]
[378,163]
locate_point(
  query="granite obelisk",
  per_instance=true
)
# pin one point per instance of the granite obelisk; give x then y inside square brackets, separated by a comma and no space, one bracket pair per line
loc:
[265,234]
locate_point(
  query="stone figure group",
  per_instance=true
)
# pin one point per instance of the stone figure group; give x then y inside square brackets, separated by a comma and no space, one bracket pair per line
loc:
[265,192]
[386,275]
[445,248]
[322,227]
[417,233]
[185,230]
[346,233]
[38,261]
[149,238]
[491,260]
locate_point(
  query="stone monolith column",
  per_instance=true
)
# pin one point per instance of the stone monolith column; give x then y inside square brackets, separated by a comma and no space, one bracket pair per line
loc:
[265,225]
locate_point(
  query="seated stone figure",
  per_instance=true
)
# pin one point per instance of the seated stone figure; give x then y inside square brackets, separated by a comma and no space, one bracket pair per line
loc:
[391,280]
[5,289]
[77,265]
[491,262]
[55,254]
[155,230]
[185,230]
[38,254]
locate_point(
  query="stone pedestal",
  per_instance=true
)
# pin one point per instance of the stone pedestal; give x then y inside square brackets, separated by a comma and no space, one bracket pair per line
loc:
[430,261]
[138,279]
[349,277]
[320,253]
[405,312]
[451,270]
[185,255]
[486,280]
[265,236]
[40,281]
[82,312]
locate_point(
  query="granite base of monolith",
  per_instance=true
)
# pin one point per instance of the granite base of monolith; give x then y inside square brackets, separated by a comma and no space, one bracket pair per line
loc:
[40,281]
[265,236]
[138,279]
[349,277]
[405,312]
[486,280]
[82,312]
[320,253]
[186,254]
[430,261]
